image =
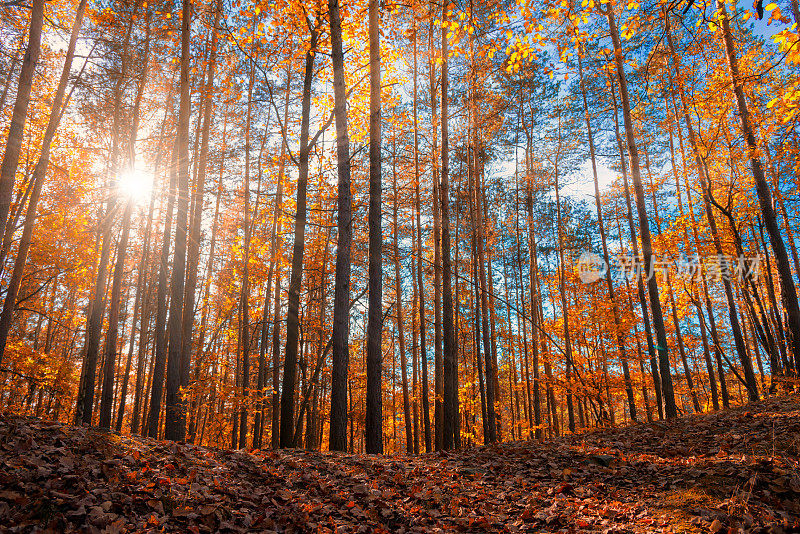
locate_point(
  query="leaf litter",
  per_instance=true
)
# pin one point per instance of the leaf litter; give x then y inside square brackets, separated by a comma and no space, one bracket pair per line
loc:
[733,471]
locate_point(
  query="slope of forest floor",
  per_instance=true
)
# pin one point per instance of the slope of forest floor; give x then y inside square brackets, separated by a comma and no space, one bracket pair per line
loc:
[731,471]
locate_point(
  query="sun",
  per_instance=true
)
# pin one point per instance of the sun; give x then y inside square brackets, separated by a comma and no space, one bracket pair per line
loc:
[135,185]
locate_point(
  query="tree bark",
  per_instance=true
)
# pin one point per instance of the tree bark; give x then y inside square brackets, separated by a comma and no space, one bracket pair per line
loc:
[398,292]
[196,216]
[450,353]
[175,417]
[618,335]
[276,323]
[296,278]
[8,170]
[426,416]
[341,299]
[668,395]
[374,411]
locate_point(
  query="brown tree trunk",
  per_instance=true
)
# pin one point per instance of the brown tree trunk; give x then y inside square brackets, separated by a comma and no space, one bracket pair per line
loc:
[276,323]
[618,335]
[8,170]
[196,215]
[570,365]
[142,269]
[374,411]
[244,294]
[635,250]
[398,291]
[175,414]
[668,395]
[450,354]
[426,416]
[296,278]
[341,299]
[110,358]
[160,353]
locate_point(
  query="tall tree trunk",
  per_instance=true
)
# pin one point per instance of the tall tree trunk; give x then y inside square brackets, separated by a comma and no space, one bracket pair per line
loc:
[476,329]
[276,323]
[438,408]
[535,324]
[272,276]
[618,335]
[296,278]
[426,416]
[244,295]
[144,321]
[570,360]
[491,370]
[398,292]
[535,299]
[668,394]
[196,215]
[125,235]
[110,357]
[478,225]
[175,415]
[671,297]
[374,410]
[341,299]
[160,352]
[450,360]
[635,250]
[8,170]
[694,297]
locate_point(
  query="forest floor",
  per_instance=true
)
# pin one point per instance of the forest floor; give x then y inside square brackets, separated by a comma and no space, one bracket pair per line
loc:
[724,472]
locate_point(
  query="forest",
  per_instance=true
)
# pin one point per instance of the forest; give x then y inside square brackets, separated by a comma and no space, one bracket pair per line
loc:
[396,227]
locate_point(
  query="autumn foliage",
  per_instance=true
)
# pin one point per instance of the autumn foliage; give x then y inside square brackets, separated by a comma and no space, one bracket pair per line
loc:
[203,240]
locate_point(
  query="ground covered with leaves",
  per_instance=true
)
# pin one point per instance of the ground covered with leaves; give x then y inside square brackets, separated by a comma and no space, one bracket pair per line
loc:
[732,471]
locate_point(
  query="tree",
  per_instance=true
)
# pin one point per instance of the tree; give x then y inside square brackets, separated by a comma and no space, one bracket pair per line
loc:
[175,418]
[341,298]
[374,412]
[295,279]
[668,395]
[450,437]
[8,169]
